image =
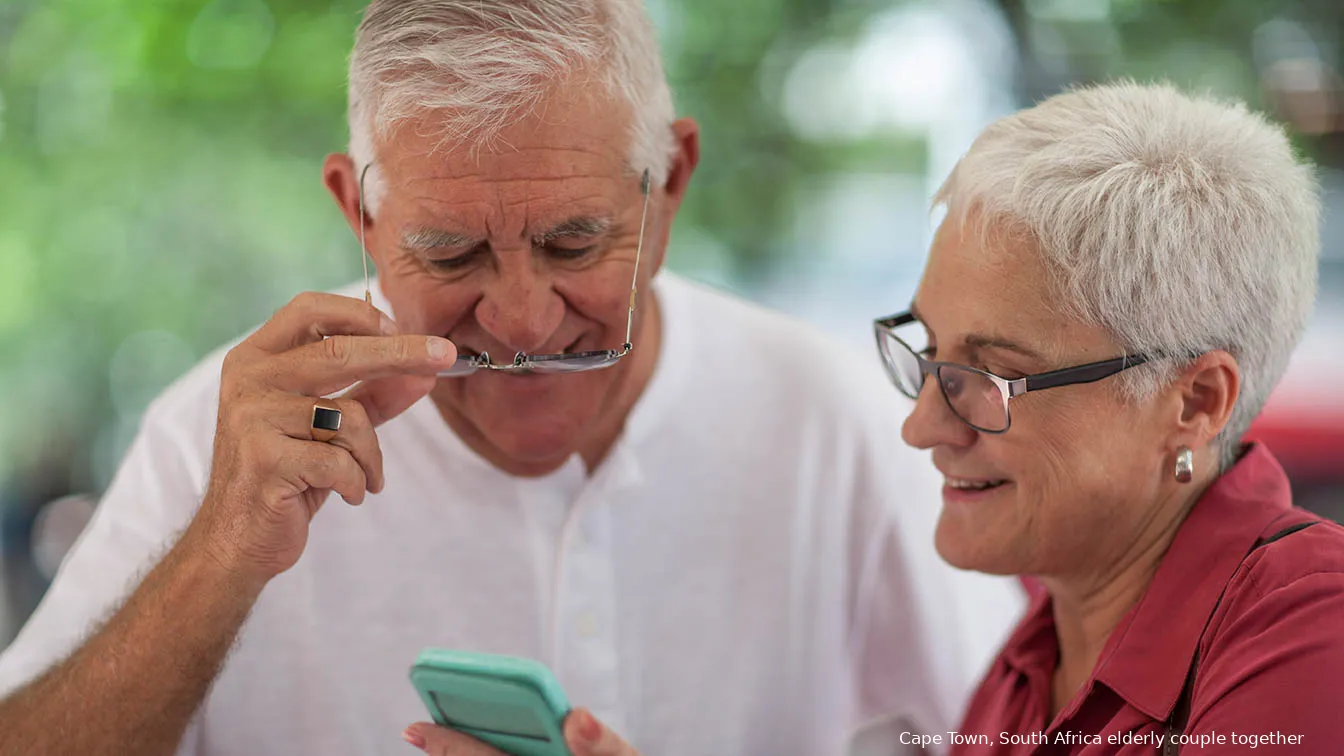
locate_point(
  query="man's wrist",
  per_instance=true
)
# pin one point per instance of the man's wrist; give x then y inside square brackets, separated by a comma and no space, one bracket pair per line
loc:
[203,558]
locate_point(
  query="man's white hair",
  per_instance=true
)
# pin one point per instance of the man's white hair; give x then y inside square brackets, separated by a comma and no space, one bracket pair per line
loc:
[1178,224]
[479,65]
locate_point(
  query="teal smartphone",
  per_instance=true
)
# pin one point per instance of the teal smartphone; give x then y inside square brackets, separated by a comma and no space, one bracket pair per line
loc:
[513,704]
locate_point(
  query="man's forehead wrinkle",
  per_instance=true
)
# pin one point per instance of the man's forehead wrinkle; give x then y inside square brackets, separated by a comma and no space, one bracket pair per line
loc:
[588,196]
[522,217]
[605,154]
[484,179]
[610,162]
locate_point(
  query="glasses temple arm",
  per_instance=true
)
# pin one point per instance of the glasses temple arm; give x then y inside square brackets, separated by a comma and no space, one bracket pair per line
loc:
[1089,373]
[364,250]
[644,186]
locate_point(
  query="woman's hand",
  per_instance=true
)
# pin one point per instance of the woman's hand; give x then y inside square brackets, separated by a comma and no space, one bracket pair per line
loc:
[584,735]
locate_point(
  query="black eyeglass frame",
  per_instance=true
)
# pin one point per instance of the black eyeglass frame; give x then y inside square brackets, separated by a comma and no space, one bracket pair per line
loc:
[884,328]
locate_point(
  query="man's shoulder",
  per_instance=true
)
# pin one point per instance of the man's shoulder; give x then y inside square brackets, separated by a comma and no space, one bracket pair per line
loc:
[187,409]
[733,312]
[787,353]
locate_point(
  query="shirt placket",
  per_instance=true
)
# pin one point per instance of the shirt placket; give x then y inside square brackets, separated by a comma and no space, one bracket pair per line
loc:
[586,627]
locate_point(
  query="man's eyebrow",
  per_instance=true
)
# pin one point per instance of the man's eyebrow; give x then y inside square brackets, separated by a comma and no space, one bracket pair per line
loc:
[580,226]
[424,239]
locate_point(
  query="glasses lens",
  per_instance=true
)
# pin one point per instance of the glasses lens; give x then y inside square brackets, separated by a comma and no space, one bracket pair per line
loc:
[974,397]
[898,357]
[576,362]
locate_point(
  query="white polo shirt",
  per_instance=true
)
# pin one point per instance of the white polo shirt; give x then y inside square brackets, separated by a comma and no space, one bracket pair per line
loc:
[751,571]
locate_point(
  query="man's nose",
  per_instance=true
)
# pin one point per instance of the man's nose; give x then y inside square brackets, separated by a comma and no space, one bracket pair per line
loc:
[520,308]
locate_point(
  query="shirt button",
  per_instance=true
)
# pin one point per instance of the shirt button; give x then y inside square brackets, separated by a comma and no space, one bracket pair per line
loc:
[587,624]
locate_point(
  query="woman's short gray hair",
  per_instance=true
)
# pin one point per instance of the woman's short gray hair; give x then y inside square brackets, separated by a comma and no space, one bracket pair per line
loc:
[1179,224]
[480,64]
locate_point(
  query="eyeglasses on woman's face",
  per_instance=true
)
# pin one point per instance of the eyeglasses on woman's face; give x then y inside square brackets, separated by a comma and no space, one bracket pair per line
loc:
[978,398]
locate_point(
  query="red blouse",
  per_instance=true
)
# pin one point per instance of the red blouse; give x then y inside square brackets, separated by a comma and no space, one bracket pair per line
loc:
[1270,675]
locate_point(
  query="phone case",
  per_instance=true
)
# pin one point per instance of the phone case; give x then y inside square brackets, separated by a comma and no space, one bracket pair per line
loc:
[513,704]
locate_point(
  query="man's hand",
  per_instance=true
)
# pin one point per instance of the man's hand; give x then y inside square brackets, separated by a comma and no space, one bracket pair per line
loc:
[584,735]
[132,687]
[269,477]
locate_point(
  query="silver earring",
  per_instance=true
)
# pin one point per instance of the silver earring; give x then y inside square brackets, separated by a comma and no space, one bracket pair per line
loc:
[1185,465]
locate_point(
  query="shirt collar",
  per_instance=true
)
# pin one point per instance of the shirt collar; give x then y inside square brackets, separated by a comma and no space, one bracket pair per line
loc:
[1033,645]
[1147,658]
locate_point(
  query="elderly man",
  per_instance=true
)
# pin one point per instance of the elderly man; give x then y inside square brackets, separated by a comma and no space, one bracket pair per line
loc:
[693,511]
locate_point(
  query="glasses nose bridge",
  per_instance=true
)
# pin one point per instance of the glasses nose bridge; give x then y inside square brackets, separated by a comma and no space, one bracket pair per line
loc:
[932,421]
[927,370]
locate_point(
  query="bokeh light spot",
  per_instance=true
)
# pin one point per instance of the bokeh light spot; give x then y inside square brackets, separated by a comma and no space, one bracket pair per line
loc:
[231,34]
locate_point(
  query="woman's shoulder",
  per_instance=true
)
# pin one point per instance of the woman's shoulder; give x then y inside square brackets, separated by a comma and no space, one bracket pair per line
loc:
[1306,546]
[1273,645]
[1292,586]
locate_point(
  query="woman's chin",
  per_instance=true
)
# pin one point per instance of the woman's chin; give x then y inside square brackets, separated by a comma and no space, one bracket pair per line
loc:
[972,548]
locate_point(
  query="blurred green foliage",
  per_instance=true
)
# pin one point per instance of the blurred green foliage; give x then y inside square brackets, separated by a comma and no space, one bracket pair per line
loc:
[159,168]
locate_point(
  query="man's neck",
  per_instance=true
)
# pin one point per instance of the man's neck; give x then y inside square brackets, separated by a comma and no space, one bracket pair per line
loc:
[596,444]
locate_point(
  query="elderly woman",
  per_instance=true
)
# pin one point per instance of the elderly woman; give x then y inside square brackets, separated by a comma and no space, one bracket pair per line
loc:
[1150,259]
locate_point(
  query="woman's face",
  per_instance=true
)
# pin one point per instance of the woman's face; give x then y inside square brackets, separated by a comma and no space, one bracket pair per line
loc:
[1080,474]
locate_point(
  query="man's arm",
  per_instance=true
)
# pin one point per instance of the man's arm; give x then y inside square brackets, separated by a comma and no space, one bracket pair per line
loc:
[133,687]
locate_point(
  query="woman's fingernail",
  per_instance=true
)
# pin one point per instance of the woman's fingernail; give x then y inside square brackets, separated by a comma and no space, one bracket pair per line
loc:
[438,348]
[386,325]
[589,729]
[414,738]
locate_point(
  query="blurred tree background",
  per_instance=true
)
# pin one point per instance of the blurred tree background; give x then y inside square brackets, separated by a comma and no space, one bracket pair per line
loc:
[160,189]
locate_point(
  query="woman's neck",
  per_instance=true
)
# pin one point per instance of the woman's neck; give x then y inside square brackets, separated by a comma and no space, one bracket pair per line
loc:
[1088,606]
[1085,616]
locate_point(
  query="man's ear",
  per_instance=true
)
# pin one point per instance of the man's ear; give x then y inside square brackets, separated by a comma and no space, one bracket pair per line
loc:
[1207,391]
[338,173]
[686,132]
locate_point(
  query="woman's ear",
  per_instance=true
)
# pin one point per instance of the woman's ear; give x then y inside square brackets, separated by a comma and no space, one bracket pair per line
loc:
[1208,390]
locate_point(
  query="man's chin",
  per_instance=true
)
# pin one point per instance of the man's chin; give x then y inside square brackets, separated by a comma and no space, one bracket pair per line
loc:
[526,432]
[528,436]
[535,453]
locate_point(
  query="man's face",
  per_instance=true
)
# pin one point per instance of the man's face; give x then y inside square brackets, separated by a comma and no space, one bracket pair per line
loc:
[526,245]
